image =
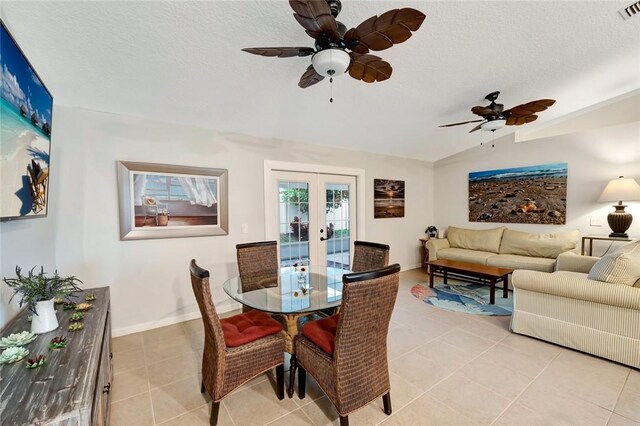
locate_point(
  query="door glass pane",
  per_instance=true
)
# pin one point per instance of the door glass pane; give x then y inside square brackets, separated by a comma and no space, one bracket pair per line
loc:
[337,226]
[294,222]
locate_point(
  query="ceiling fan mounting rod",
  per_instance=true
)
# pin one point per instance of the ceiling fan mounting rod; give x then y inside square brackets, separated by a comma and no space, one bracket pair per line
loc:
[335,6]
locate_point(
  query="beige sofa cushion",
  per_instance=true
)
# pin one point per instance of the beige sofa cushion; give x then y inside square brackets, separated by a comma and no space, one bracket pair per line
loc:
[538,245]
[464,255]
[620,267]
[473,239]
[521,262]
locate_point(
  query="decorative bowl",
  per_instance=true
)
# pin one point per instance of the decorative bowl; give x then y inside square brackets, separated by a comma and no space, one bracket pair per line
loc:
[17,339]
[13,354]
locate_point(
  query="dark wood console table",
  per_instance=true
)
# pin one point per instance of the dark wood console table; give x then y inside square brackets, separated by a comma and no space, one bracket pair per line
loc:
[73,387]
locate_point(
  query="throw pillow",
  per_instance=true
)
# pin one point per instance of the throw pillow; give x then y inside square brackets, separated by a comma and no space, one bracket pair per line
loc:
[619,267]
[472,239]
[538,245]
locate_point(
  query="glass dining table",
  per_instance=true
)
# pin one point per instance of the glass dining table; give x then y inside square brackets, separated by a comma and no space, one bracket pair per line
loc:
[289,293]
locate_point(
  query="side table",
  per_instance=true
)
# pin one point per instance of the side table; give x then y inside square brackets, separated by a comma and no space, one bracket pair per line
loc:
[598,238]
[425,260]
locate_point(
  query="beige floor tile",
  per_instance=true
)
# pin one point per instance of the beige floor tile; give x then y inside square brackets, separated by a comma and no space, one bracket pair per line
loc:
[418,370]
[132,411]
[618,420]
[497,376]
[295,418]
[126,343]
[555,404]
[628,404]
[163,334]
[124,361]
[524,363]
[519,415]
[200,417]
[426,411]
[455,319]
[129,383]
[160,352]
[404,339]
[537,348]
[177,398]
[173,369]
[487,330]
[313,391]
[444,354]
[470,398]
[594,380]
[258,405]
[193,326]
[321,412]
[467,343]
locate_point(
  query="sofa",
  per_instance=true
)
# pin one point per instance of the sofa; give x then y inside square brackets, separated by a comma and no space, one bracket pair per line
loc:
[590,304]
[503,247]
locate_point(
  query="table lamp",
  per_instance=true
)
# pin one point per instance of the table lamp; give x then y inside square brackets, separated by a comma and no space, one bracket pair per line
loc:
[621,189]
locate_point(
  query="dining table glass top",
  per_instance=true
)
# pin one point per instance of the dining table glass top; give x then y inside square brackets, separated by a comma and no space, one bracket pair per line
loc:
[289,290]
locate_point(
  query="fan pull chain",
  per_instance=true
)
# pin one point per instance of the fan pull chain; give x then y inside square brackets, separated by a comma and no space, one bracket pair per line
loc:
[331,89]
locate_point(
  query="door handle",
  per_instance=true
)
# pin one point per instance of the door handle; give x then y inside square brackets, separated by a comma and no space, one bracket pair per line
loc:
[323,239]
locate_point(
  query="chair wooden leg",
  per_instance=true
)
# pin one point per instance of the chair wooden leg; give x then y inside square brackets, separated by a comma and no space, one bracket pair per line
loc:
[386,402]
[202,388]
[215,408]
[280,381]
[344,420]
[302,382]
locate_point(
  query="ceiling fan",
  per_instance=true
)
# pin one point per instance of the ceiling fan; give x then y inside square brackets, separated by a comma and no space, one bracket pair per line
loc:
[495,117]
[333,41]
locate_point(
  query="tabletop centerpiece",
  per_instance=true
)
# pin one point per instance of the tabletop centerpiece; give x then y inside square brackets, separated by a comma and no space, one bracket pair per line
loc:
[38,291]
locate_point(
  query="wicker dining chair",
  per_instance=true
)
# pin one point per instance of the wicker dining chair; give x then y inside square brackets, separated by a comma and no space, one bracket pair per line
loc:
[368,256]
[347,352]
[257,265]
[236,349]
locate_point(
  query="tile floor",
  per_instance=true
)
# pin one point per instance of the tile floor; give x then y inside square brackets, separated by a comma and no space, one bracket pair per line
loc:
[446,369]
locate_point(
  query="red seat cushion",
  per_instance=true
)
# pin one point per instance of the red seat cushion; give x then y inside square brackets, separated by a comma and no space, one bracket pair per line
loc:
[245,328]
[322,332]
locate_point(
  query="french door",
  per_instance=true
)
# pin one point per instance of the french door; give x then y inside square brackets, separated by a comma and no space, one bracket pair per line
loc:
[312,216]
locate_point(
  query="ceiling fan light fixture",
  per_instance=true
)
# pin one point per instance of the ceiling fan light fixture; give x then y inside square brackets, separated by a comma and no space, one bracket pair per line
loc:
[493,125]
[331,62]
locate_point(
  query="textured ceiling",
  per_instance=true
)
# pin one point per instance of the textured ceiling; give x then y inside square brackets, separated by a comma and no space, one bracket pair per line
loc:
[181,62]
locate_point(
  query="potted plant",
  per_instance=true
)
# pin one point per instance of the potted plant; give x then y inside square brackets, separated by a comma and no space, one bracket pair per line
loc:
[432,231]
[37,290]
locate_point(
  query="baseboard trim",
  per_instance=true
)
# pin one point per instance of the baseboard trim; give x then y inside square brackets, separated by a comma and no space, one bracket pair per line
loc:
[123,331]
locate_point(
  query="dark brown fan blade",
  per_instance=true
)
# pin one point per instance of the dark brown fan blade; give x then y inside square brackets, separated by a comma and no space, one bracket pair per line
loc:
[315,17]
[484,111]
[379,33]
[529,108]
[280,52]
[369,68]
[519,121]
[478,127]
[462,122]
[309,78]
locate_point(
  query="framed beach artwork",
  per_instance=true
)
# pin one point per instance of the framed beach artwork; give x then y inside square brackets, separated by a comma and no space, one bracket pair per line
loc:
[532,194]
[25,134]
[388,198]
[167,201]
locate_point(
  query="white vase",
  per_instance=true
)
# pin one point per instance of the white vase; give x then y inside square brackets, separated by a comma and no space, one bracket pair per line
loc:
[45,320]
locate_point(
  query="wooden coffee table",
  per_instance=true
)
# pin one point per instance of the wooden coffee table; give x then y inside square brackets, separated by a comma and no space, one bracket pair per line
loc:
[492,273]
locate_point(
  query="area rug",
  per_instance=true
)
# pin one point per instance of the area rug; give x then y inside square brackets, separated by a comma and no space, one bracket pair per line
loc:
[467,298]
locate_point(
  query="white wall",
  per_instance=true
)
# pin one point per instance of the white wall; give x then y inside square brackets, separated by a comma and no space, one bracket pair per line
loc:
[26,243]
[594,157]
[149,278]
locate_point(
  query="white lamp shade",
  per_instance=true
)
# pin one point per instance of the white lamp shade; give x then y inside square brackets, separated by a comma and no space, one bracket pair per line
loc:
[336,60]
[493,125]
[621,189]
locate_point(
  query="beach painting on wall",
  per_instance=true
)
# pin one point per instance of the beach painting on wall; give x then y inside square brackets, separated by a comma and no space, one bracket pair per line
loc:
[166,201]
[25,134]
[388,198]
[532,194]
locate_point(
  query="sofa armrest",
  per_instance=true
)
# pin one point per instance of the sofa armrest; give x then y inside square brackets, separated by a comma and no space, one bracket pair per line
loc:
[570,261]
[619,295]
[435,244]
